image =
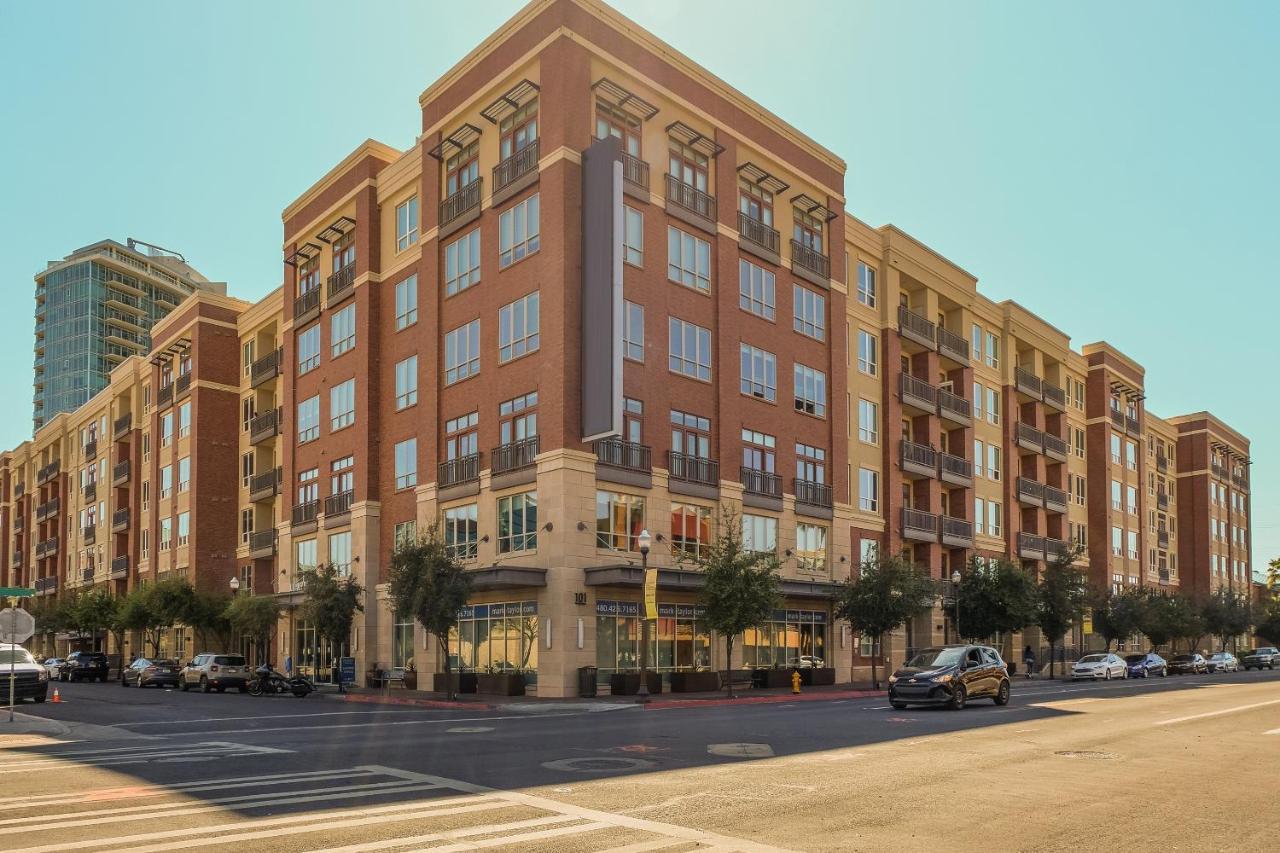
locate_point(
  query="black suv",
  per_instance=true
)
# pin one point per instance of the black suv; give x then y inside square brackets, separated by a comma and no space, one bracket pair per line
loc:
[84,665]
[951,676]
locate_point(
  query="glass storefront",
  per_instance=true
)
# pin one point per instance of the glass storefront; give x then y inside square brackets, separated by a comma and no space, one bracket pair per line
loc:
[402,641]
[788,636]
[313,657]
[499,637]
[678,638]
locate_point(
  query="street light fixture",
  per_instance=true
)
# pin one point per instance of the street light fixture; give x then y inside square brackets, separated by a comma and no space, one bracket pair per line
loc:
[644,540]
[235,585]
[955,594]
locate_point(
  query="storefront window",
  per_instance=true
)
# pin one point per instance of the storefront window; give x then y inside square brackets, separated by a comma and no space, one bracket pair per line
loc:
[785,639]
[678,639]
[690,529]
[496,638]
[619,520]
[402,640]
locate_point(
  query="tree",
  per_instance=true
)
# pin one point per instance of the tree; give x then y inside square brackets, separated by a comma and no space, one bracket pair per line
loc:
[886,594]
[207,615]
[742,588]
[995,596]
[253,616]
[1268,626]
[50,615]
[1225,613]
[1185,621]
[1273,576]
[429,584]
[1117,615]
[92,612]
[1171,616]
[137,613]
[1157,623]
[330,603]
[1060,599]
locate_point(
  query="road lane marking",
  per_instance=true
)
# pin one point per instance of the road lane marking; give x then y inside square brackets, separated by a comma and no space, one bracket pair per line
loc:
[383,724]
[265,717]
[1272,732]
[153,752]
[476,830]
[1219,712]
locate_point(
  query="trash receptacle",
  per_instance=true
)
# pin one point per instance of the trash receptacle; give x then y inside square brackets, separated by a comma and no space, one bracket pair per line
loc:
[587,682]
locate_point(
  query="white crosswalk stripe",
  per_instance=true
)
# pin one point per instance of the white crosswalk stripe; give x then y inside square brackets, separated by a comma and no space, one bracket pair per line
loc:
[150,751]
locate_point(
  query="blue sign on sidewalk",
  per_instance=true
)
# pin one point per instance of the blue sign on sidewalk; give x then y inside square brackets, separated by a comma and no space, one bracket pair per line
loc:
[347,670]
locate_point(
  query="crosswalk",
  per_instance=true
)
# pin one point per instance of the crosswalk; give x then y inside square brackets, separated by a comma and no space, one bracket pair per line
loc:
[140,753]
[358,809]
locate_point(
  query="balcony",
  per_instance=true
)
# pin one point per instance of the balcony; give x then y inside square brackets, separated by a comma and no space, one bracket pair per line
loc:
[1218,471]
[635,176]
[1030,492]
[120,473]
[48,509]
[264,427]
[1240,481]
[516,173]
[266,368]
[306,307]
[918,460]
[47,473]
[1054,447]
[1132,426]
[86,575]
[48,547]
[690,204]
[18,524]
[120,520]
[464,469]
[957,532]
[811,493]
[89,534]
[262,544]
[1162,538]
[810,264]
[1164,576]
[164,397]
[1029,438]
[16,560]
[91,450]
[693,469]
[919,526]
[955,470]
[763,483]
[916,329]
[122,425]
[264,486]
[1030,546]
[1055,499]
[120,568]
[1117,420]
[338,505]
[917,394]
[44,586]
[182,386]
[305,513]
[1054,396]
[1162,463]
[1055,549]
[1028,384]
[91,491]
[758,238]
[954,408]
[1162,500]
[461,208]
[341,284]
[19,490]
[513,456]
[952,346]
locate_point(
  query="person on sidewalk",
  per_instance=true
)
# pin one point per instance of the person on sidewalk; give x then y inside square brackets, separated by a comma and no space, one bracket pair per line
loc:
[1029,660]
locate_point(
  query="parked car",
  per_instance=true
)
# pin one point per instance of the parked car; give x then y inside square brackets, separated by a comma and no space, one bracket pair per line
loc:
[30,678]
[1223,662]
[951,676]
[215,672]
[1194,663]
[806,662]
[1144,665]
[1105,666]
[144,672]
[52,665]
[1267,656]
[84,666]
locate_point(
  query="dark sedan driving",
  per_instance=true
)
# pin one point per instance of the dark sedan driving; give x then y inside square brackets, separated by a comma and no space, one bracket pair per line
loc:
[1188,664]
[950,675]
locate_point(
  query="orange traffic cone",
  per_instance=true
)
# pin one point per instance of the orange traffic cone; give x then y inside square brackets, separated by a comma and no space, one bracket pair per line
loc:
[57,697]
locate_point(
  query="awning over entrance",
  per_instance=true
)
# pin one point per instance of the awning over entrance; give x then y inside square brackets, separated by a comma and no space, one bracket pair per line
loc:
[508,577]
[679,579]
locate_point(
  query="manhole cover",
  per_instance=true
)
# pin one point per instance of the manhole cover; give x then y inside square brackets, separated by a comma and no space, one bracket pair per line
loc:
[598,765]
[1085,753]
[740,750]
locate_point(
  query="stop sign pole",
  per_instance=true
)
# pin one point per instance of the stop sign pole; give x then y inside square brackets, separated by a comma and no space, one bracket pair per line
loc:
[16,635]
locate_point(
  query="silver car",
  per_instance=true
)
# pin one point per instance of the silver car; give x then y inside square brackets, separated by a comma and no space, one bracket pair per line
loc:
[1223,662]
[52,665]
[215,672]
[1104,666]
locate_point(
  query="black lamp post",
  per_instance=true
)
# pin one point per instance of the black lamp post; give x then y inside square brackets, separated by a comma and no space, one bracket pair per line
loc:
[644,540]
[955,595]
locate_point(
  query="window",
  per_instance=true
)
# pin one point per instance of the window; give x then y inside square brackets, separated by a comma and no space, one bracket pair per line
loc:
[1115,450]
[975,341]
[344,252]
[611,121]
[166,534]
[633,236]
[518,232]
[868,421]
[979,458]
[308,486]
[406,224]
[166,429]
[759,374]
[806,229]
[866,285]
[406,533]
[517,418]
[619,520]
[184,528]
[633,420]
[993,461]
[462,352]
[518,522]
[993,518]
[1079,489]
[689,350]
[690,435]
[166,481]
[462,263]
[977,401]
[246,468]
[184,420]
[811,547]
[246,525]
[342,476]
[1131,499]
[1131,455]
[407,463]
[309,275]
[633,331]
[690,529]
[810,312]
[342,330]
[759,533]
[309,349]
[407,382]
[688,260]
[993,405]
[246,357]
[1117,542]
[867,353]
[993,350]
[868,490]
[340,552]
[756,289]
[518,130]
[811,463]
[342,405]
[518,326]
[979,515]
[1132,539]
[406,305]
[810,391]
[1116,490]
[1077,440]
[758,451]
[462,169]
[461,531]
[461,436]
[309,419]
[184,474]
[687,165]
[306,557]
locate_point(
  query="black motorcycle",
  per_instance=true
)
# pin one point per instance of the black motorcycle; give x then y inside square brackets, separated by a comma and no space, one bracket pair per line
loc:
[267,681]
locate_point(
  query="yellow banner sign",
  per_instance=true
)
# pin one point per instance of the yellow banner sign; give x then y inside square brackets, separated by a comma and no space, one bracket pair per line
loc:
[651,593]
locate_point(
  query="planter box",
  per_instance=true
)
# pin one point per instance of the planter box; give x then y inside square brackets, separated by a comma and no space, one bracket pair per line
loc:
[817,677]
[500,683]
[628,683]
[463,682]
[771,678]
[695,682]
[411,681]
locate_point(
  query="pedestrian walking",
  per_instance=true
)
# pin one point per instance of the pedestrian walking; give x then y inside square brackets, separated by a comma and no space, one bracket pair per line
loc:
[288,665]
[1029,660]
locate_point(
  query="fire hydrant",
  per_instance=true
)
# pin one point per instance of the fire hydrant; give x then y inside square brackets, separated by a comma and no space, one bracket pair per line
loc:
[795,681]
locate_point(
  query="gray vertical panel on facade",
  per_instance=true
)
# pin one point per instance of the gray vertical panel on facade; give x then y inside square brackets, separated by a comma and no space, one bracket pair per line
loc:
[602,289]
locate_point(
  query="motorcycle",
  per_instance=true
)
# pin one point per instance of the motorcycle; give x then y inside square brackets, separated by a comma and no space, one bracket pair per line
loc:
[267,681]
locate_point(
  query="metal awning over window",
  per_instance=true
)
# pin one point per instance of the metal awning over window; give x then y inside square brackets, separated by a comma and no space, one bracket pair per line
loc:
[753,174]
[682,133]
[334,231]
[172,351]
[811,206]
[510,101]
[305,252]
[624,99]
[1126,390]
[455,142]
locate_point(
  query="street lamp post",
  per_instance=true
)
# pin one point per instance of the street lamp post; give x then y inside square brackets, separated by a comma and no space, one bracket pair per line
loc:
[235,586]
[955,595]
[644,540]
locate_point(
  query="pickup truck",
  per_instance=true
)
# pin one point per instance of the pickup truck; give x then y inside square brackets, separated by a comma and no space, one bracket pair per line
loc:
[1267,656]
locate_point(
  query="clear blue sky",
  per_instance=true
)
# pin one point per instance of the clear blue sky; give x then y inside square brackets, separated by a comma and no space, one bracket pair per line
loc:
[1070,155]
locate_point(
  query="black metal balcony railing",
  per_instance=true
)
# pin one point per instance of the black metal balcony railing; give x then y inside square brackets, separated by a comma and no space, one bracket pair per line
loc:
[953,346]
[86,574]
[955,529]
[120,567]
[954,404]
[305,512]
[308,301]
[1027,382]
[626,455]
[48,584]
[183,384]
[1030,490]
[264,426]
[463,469]
[514,455]
[1164,576]
[911,386]
[1029,437]
[635,171]
[919,455]
[1162,463]
[264,485]
[759,482]
[47,473]
[461,202]
[120,473]
[164,396]
[1054,396]
[1162,538]
[341,282]
[120,519]
[955,466]
[920,522]
[262,543]
[1054,549]
[91,449]
[50,546]
[1117,419]
[122,425]
[1031,546]
[1240,480]
[1162,500]
[89,534]
[811,493]
[693,469]
[810,259]
[91,491]
[339,503]
[1131,425]
[515,167]
[19,524]
[1055,498]
[755,231]
[47,509]
[19,490]
[690,198]
[1055,446]
[266,368]
[912,325]
[1218,470]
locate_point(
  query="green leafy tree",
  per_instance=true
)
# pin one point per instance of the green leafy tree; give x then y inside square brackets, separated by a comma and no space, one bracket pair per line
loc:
[137,613]
[995,596]
[330,602]
[1186,622]
[429,584]
[1060,599]
[1117,615]
[886,593]
[1273,576]
[207,615]
[1268,624]
[50,615]
[1171,616]
[742,587]
[253,616]
[92,613]
[1225,614]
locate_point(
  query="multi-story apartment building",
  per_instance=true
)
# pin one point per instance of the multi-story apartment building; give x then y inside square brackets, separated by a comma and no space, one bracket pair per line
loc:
[94,309]
[470,338]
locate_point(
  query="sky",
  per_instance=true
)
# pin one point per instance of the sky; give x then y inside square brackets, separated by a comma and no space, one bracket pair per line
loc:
[1111,166]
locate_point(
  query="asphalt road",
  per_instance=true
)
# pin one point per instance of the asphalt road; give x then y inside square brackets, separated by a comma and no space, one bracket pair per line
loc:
[1078,766]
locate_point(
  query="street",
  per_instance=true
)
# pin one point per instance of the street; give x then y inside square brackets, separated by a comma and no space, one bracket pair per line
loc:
[1151,764]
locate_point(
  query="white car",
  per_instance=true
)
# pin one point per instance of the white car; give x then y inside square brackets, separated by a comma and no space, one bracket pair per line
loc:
[1106,666]
[1223,662]
[52,664]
